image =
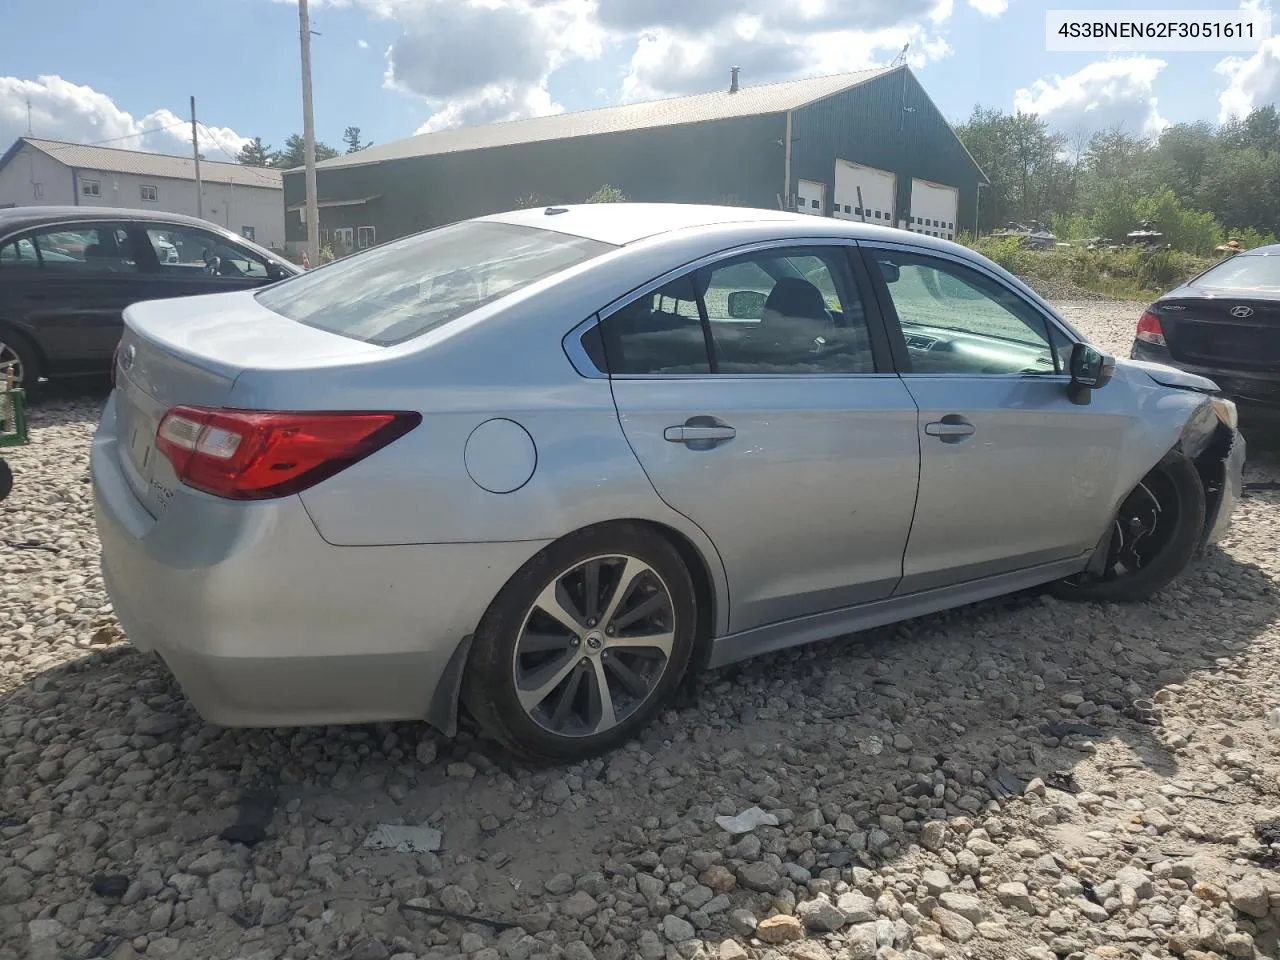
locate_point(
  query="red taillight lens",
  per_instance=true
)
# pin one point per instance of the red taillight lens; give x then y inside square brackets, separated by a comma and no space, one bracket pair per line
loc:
[1149,329]
[259,455]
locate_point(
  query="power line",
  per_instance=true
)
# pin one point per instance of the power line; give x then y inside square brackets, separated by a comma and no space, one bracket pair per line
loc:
[127,136]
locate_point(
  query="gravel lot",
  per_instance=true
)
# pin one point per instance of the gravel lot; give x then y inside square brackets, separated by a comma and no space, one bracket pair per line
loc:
[931,795]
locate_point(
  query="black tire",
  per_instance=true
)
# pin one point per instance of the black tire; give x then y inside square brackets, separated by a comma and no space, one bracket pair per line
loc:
[1175,485]
[490,686]
[6,479]
[14,345]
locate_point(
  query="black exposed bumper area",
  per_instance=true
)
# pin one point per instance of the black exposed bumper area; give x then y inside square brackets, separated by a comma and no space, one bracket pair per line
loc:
[1248,388]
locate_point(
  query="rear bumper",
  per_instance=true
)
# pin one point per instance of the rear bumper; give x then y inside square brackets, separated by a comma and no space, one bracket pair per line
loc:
[1246,387]
[263,623]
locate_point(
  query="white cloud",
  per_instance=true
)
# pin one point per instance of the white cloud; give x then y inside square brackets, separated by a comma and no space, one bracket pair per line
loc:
[62,110]
[362,44]
[477,61]
[1251,81]
[990,8]
[691,52]
[1105,94]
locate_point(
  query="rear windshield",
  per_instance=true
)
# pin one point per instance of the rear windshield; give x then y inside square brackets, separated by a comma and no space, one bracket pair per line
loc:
[403,289]
[1244,271]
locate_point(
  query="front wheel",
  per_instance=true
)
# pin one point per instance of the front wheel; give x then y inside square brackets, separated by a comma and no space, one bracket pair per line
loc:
[1154,535]
[583,645]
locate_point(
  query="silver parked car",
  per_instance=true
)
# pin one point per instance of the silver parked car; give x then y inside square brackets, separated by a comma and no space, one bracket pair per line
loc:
[548,463]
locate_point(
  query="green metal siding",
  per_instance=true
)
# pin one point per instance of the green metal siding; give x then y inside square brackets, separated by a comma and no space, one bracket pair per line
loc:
[737,161]
[888,123]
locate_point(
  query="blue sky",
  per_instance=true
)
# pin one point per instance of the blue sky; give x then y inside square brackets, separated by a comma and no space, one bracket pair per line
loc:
[110,69]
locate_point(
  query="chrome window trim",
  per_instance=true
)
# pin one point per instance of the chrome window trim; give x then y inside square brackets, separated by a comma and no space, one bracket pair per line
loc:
[572,341]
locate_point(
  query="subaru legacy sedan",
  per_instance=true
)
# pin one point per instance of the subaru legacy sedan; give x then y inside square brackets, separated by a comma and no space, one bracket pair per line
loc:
[546,465]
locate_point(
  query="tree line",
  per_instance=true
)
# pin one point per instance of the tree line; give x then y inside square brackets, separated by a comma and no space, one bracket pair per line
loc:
[1199,182]
[257,154]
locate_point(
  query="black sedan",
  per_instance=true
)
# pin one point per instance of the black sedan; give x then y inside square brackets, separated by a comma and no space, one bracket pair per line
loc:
[67,273]
[1224,325]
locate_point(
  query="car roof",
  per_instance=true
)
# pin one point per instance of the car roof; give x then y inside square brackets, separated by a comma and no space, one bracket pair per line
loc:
[1270,250]
[34,216]
[625,223]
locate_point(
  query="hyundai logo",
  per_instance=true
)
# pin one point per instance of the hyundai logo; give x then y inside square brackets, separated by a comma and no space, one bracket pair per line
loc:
[1241,312]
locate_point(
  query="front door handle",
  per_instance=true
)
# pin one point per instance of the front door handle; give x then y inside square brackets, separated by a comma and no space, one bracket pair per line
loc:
[950,429]
[686,433]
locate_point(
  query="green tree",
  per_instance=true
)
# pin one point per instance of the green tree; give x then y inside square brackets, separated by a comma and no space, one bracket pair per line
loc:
[607,194]
[255,154]
[294,153]
[351,137]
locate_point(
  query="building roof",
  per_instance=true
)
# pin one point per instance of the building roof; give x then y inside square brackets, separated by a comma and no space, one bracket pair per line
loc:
[748,101]
[143,164]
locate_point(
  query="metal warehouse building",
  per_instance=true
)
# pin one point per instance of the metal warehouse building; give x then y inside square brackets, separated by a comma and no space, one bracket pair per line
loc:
[868,145]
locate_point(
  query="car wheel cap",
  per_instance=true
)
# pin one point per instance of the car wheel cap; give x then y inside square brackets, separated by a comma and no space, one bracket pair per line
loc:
[10,362]
[594,645]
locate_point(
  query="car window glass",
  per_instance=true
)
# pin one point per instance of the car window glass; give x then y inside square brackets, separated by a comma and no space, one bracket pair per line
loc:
[955,321]
[785,313]
[400,290]
[88,249]
[182,251]
[19,253]
[771,312]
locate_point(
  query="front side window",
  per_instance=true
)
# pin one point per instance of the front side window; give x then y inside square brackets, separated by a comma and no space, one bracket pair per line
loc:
[88,249]
[774,312]
[186,251]
[956,321]
[405,288]
[19,253]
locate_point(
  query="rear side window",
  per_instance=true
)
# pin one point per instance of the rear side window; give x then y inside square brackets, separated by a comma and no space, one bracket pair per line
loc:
[400,290]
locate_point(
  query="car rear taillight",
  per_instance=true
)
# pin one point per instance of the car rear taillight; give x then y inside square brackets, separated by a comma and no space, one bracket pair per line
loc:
[1149,329]
[259,455]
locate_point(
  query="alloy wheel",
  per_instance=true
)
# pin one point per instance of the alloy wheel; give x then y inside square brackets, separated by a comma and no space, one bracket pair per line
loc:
[594,645]
[10,362]
[1142,528]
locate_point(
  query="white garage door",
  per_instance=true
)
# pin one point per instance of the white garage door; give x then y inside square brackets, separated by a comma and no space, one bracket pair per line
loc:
[879,187]
[933,209]
[811,198]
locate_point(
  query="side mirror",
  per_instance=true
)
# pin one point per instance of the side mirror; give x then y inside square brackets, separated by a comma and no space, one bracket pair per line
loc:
[746,304]
[275,271]
[1091,369]
[891,271]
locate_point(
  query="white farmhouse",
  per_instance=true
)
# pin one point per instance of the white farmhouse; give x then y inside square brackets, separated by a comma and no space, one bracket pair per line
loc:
[246,200]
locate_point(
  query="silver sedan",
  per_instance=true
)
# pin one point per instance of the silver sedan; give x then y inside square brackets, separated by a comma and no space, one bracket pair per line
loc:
[548,464]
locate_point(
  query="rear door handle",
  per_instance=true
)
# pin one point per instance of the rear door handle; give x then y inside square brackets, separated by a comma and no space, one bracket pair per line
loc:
[709,435]
[950,429]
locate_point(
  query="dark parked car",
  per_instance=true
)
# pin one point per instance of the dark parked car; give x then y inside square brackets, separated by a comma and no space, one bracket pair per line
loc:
[67,273]
[1224,325]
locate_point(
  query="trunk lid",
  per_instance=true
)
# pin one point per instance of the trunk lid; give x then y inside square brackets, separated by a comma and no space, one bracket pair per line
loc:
[191,351]
[1212,328]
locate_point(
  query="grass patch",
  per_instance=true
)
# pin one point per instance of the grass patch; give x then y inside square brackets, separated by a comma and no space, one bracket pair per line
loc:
[1129,273]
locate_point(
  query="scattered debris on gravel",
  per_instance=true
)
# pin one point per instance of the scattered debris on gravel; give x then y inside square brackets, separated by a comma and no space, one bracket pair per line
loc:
[1019,779]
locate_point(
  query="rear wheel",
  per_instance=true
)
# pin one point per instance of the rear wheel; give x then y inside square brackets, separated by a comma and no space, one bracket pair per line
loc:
[583,645]
[1154,535]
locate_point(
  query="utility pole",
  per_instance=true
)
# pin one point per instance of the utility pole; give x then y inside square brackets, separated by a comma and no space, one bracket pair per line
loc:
[309,138]
[195,150]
